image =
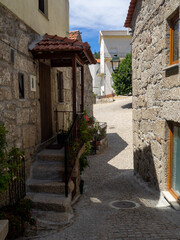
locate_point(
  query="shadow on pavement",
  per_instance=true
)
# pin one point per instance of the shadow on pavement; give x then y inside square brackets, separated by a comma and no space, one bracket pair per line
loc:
[129,105]
[114,176]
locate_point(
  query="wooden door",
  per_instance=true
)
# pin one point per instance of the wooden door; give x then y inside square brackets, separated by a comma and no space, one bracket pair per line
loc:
[45,102]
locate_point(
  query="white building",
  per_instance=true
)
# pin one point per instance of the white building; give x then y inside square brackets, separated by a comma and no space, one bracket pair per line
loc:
[95,70]
[111,43]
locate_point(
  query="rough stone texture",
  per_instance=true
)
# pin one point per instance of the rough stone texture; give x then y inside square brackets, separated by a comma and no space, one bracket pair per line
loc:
[88,91]
[110,178]
[22,117]
[155,95]
[4,225]
[17,114]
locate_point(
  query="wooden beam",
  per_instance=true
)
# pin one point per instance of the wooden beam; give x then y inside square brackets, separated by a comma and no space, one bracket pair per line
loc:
[79,60]
[57,63]
[74,76]
[82,88]
[54,55]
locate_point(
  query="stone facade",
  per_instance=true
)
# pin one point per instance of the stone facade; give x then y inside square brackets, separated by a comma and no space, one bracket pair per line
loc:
[22,117]
[156,89]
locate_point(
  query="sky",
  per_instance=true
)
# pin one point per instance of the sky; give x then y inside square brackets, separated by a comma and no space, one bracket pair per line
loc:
[91,16]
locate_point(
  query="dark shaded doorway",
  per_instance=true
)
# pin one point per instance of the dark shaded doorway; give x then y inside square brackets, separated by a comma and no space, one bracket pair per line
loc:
[45,102]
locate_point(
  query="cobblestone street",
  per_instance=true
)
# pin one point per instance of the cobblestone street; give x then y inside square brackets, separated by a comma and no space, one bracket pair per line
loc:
[109,178]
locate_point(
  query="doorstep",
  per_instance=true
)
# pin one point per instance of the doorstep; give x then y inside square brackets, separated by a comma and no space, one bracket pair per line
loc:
[171,200]
[3,229]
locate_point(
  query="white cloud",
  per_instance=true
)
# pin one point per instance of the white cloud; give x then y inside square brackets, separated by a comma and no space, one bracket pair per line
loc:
[98,14]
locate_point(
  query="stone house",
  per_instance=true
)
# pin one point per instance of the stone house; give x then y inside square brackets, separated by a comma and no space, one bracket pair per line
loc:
[112,43]
[44,78]
[156,92]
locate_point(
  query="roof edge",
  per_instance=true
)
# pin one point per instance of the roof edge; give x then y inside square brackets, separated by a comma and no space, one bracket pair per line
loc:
[130,13]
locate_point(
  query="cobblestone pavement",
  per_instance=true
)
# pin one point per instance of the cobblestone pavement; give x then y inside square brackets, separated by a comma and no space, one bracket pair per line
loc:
[109,178]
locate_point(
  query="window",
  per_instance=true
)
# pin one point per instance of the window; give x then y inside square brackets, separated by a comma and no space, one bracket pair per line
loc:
[21,85]
[174,160]
[43,6]
[60,86]
[174,40]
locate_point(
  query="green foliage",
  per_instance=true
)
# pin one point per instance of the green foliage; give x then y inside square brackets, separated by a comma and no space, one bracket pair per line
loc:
[19,216]
[122,77]
[7,157]
[97,55]
[86,135]
[86,129]
[83,162]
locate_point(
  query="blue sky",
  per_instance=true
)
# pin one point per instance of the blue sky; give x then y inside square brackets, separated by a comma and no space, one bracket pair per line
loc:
[91,16]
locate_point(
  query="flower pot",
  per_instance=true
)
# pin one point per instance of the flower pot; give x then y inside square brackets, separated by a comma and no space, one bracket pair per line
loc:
[81,185]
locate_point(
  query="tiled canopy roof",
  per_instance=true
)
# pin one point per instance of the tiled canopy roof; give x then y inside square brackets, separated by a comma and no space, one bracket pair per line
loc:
[130,13]
[75,35]
[55,44]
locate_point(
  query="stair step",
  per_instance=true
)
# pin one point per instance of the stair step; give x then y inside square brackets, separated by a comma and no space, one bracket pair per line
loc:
[46,186]
[50,202]
[47,170]
[52,217]
[51,155]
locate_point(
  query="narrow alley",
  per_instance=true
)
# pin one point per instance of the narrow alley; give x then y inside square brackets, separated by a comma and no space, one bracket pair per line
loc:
[110,178]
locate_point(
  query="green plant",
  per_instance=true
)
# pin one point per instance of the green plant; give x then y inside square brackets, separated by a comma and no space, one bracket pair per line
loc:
[7,157]
[19,216]
[122,77]
[83,162]
[86,128]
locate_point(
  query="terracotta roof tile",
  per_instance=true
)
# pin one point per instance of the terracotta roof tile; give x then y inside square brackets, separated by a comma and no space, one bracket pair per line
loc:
[130,13]
[54,43]
[75,35]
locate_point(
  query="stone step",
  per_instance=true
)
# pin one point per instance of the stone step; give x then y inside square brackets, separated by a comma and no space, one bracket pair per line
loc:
[47,171]
[45,186]
[52,217]
[50,202]
[4,225]
[51,155]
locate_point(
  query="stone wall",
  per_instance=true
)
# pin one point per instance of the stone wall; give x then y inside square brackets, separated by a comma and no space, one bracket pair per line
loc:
[156,91]
[64,122]
[20,116]
[88,91]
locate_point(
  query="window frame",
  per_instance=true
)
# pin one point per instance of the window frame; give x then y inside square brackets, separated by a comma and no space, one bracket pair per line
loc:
[171,45]
[60,87]
[45,4]
[170,165]
[21,82]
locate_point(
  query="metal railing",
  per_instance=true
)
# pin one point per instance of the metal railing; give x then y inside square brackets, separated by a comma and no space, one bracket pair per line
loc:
[70,155]
[17,188]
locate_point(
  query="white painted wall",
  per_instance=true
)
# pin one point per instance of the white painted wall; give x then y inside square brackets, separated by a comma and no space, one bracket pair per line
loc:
[94,70]
[112,43]
[57,21]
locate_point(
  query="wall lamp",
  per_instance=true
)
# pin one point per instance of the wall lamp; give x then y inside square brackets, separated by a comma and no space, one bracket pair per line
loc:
[115,63]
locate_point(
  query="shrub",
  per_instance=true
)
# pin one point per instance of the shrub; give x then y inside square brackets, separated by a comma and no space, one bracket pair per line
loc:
[19,216]
[122,77]
[7,157]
